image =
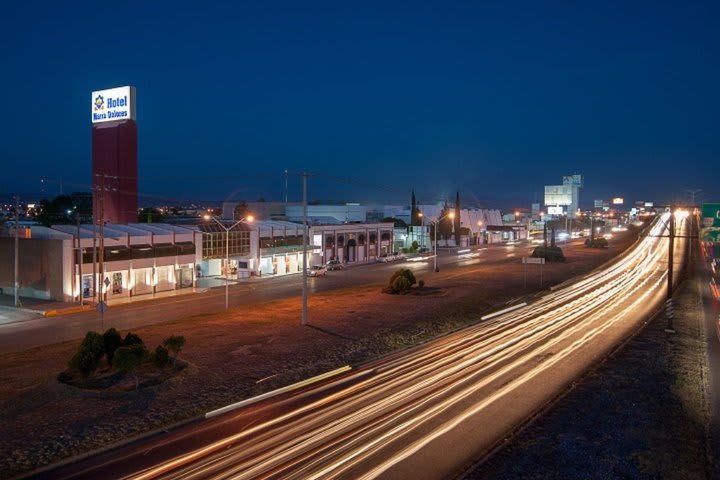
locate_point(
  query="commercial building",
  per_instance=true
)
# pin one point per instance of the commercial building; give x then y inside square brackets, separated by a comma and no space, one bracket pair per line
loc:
[136,259]
[564,199]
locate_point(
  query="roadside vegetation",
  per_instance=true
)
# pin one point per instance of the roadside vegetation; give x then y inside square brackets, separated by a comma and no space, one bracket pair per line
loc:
[105,361]
[401,282]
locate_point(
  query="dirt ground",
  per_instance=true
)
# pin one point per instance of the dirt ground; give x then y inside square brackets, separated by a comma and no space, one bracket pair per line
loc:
[245,352]
[640,415]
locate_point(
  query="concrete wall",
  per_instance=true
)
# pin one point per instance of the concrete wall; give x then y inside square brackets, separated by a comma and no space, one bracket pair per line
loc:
[40,269]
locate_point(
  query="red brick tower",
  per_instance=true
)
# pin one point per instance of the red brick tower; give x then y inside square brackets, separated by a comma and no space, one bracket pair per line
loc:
[114,155]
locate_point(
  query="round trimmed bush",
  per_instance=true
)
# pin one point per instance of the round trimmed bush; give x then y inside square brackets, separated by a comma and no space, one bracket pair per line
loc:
[160,357]
[93,342]
[112,341]
[131,339]
[84,361]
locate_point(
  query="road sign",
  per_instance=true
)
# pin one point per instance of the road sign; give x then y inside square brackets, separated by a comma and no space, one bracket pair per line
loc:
[539,261]
[711,214]
[101,307]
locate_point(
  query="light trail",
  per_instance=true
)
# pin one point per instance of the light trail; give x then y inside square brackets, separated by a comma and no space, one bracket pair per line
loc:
[408,410]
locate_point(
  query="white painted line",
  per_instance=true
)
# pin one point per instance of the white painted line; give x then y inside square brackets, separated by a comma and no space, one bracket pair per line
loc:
[288,388]
[505,310]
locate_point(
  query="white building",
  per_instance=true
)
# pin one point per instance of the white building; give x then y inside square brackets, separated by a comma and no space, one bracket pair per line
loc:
[137,259]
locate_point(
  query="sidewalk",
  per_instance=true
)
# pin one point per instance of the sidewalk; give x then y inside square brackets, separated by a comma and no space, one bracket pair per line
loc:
[50,308]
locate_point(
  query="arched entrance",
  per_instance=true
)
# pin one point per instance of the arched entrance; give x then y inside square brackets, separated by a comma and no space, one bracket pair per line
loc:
[351,247]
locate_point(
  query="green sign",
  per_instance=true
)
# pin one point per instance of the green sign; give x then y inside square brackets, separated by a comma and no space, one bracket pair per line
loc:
[711,215]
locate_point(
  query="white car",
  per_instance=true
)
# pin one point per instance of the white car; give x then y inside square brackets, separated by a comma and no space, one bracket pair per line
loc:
[317,270]
[386,257]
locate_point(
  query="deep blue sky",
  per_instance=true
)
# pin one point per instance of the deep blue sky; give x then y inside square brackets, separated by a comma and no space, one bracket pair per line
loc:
[492,99]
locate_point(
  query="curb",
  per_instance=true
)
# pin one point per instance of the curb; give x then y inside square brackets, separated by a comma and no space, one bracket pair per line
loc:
[504,310]
[65,311]
[294,386]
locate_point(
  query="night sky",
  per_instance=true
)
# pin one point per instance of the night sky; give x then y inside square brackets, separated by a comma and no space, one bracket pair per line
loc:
[493,100]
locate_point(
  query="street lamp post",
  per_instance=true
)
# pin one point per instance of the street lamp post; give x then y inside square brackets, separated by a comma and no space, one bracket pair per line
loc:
[422,226]
[249,218]
[435,229]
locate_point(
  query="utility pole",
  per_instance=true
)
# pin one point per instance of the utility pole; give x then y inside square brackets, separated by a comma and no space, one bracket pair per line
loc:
[669,310]
[693,193]
[305,253]
[286,190]
[94,250]
[17,251]
[102,238]
[79,259]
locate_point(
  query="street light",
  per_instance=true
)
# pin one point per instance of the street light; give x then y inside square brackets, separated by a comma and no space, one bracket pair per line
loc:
[435,228]
[479,232]
[422,224]
[249,218]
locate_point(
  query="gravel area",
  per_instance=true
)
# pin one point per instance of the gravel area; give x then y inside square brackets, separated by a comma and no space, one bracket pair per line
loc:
[642,414]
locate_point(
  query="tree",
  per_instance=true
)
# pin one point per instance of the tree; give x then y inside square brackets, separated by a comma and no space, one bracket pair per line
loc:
[93,341]
[150,215]
[414,212]
[241,211]
[128,359]
[456,220]
[175,344]
[55,211]
[446,223]
[399,223]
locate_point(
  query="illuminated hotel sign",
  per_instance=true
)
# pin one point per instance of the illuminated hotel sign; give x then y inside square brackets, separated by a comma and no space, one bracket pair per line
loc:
[113,105]
[618,201]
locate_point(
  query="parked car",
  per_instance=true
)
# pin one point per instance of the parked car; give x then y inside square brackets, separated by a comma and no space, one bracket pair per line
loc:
[399,256]
[317,270]
[386,257]
[334,265]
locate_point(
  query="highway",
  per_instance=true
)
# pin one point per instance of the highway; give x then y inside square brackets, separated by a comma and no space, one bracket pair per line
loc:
[426,413]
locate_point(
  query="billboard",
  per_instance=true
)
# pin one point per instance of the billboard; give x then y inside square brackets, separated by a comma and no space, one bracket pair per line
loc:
[573,180]
[711,215]
[113,104]
[618,201]
[555,210]
[558,194]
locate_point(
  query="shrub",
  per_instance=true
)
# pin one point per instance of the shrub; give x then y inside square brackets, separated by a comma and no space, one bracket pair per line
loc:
[550,254]
[129,358]
[84,361]
[93,342]
[415,245]
[404,272]
[132,339]
[111,341]
[421,283]
[160,356]
[600,242]
[175,344]
[400,282]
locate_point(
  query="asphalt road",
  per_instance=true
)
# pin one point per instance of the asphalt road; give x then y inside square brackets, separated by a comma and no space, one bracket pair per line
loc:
[19,331]
[423,413]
